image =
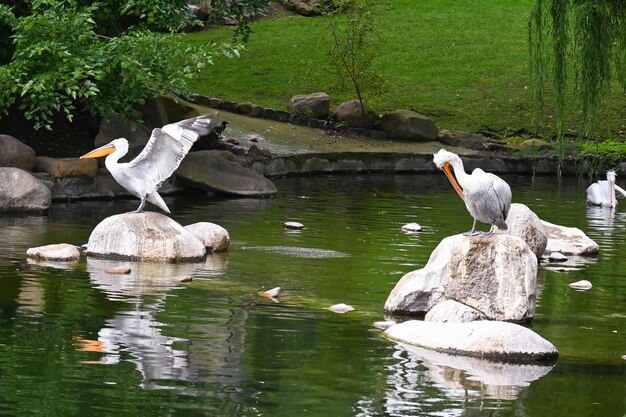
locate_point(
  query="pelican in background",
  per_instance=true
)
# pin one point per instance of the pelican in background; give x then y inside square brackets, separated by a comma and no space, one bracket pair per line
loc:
[487,197]
[163,153]
[603,193]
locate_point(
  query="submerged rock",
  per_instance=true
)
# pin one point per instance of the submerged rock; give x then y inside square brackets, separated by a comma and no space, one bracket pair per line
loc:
[496,276]
[147,236]
[273,293]
[61,252]
[214,237]
[569,240]
[485,339]
[293,225]
[411,228]
[581,285]
[340,308]
[21,192]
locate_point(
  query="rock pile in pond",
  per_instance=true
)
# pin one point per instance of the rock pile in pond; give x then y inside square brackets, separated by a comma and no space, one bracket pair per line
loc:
[147,236]
[485,339]
[495,276]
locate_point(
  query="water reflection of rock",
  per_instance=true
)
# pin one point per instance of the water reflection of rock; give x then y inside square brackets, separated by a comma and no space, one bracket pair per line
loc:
[136,332]
[470,380]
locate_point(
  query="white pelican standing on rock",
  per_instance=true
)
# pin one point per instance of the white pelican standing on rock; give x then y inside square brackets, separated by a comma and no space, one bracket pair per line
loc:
[487,197]
[603,193]
[163,153]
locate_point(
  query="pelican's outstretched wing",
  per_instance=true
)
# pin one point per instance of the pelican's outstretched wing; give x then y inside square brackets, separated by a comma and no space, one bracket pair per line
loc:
[166,149]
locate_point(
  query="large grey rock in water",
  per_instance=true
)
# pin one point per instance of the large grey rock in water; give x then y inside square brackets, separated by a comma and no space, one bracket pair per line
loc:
[569,241]
[525,224]
[214,237]
[20,191]
[496,276]
[408,125]
[485,339]
[16,154]
[147,236]
[213,171]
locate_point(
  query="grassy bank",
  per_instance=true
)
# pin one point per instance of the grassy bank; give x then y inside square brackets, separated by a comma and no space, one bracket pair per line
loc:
[463,63]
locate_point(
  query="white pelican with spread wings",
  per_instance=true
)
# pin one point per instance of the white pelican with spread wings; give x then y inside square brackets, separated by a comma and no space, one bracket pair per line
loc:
[163,153]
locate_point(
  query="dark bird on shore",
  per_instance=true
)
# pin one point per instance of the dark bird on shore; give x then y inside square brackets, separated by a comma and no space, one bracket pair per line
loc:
[487,197]
[163,153]
[220,128]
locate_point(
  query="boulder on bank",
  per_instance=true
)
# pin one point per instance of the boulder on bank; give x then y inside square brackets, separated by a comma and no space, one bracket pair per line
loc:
[68,167]
[523,223]
[408,125]
[496,276]
[316,105]
[569,241]
[60,252]
[147,236]
[21,192]
[216,171]
[214,237]
[16,154]
[485,339]
[349,113]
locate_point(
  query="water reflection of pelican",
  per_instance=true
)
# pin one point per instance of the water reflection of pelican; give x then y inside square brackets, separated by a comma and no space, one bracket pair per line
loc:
[457,377]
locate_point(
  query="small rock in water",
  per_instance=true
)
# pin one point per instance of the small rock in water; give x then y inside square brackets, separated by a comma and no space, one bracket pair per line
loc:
[293,225]
[411,228]
[384,325]
[273,293]
[624,357]
[557,257]
[57,252]
[340,308]
[118,270]
[581,285]
[187,278]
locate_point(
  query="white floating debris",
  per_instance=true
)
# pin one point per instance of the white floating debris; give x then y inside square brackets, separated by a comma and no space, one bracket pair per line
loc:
[384,325]
[624,357]
[273,293]
[340,308]
[411,228]
[581,285]
[293,225]
[118,270]
[557,257]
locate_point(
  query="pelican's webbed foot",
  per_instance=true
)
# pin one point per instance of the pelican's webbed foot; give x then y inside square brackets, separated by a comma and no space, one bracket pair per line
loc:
[140,208]
[471,233]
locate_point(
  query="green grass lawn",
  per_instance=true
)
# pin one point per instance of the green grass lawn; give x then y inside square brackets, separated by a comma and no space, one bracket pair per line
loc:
[464,63]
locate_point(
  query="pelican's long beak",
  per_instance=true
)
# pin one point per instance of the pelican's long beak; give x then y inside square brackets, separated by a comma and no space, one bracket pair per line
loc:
[455,184]
[101,151]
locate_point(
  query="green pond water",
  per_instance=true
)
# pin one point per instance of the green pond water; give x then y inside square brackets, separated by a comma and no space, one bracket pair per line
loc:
[75,340]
